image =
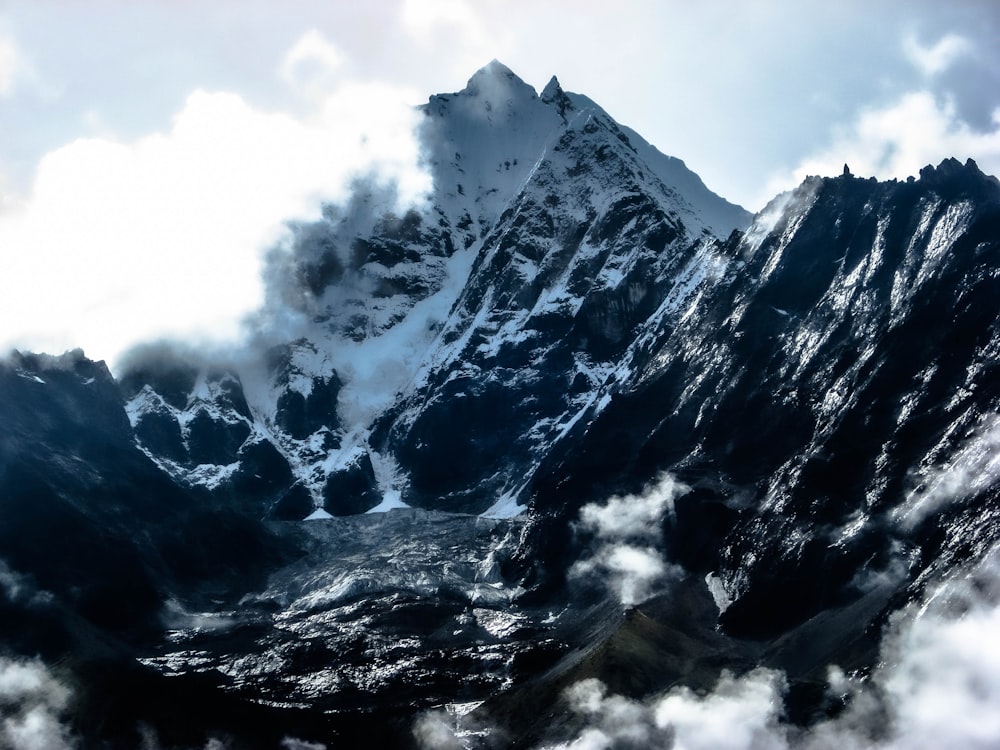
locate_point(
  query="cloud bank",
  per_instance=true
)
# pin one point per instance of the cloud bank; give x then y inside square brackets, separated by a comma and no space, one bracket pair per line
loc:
[162,236]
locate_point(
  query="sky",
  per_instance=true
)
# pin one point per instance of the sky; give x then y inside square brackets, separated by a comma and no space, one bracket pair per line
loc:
[152,150]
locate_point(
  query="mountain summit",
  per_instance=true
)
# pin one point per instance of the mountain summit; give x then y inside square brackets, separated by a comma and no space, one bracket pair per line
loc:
[550,228]
[577,432]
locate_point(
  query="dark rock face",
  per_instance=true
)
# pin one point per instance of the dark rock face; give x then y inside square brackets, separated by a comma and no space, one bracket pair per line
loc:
[299,413]
[557,298]
[568,320]
[351,488]
[127,536]
[818,382]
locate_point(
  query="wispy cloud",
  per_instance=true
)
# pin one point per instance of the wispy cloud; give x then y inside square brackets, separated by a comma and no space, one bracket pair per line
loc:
[628,529]
[426,20]
[973,468]
[938,57]
[9,63]
[311,63]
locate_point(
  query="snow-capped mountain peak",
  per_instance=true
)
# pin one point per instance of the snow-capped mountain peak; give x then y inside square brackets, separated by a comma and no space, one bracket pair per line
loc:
[576,390]
[545,211]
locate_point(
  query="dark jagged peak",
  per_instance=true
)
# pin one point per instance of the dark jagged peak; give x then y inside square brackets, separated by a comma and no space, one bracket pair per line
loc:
[950,167]
[552,90]
[554,95]
[951,180]
[74,360]
[953,176]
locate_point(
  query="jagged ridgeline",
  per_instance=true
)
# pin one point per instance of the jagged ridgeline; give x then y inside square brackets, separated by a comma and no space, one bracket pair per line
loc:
[806,399]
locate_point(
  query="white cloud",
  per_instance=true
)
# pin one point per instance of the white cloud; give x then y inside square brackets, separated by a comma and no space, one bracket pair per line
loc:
[633,515]
[18,73]
[426,19]
[974,468]
[628,529]
[614,721]
[121,242]
[942,674]
[739,714]
[311,63]
[636,515]
[473,32]
[937,684]
[633,573]
[31,702]
[897,140]
[939,56]
[290,743]
[436,730]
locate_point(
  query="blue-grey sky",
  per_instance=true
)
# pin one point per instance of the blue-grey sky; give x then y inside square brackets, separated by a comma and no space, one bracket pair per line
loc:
[168,139]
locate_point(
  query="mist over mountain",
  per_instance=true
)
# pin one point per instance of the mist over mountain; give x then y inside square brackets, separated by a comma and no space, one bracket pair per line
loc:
[576,453]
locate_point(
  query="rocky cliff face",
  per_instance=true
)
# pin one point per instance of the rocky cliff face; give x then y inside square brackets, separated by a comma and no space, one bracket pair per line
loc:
[829,394]
[794,413]
[445,340]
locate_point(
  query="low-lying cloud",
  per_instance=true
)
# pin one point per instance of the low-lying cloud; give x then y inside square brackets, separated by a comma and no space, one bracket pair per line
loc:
[937,685]
[739,713]
[627,530]
[975,467]
[32,704]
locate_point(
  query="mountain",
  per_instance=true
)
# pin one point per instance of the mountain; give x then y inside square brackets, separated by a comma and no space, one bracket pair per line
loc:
[613,428]
[521,244]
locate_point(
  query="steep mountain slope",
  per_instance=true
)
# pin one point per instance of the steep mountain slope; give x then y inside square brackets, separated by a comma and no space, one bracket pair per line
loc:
[551,231]
[830,395]
[620,432]
[826,390]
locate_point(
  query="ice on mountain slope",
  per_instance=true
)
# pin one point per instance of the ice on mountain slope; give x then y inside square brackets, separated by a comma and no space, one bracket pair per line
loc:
[484,140]
[582,255]
[380,293]
[716,213]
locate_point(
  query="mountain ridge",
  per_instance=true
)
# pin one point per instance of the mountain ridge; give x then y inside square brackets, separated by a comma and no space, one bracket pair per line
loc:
[601,434]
